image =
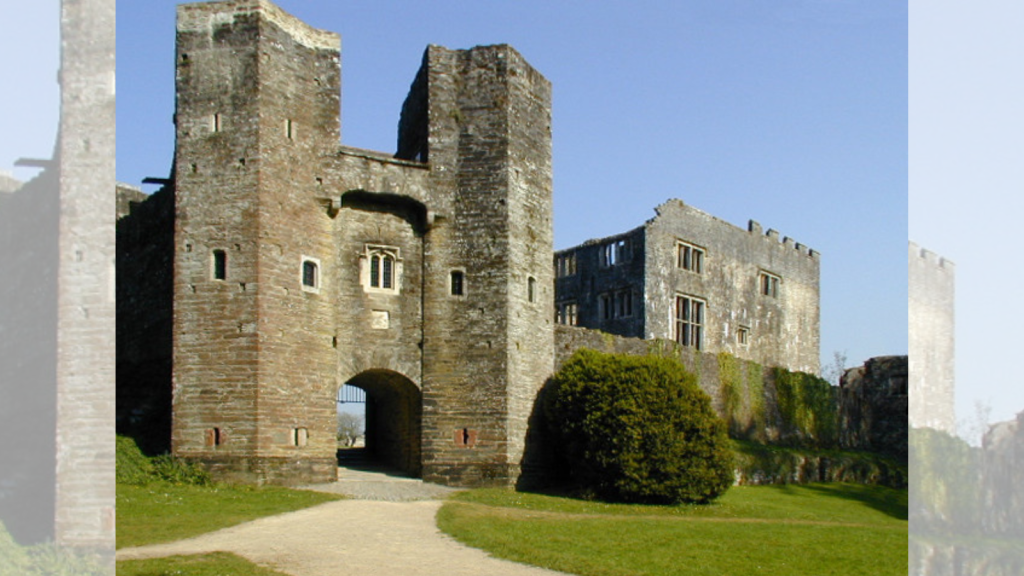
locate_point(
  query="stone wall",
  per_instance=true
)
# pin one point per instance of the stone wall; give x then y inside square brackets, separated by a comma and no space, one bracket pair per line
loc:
[873,407]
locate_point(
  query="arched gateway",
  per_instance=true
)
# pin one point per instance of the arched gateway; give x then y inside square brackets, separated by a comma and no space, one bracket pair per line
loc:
[393,419]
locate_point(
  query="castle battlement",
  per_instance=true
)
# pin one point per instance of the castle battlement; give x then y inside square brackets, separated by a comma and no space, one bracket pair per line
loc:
[930,258]
[205,16]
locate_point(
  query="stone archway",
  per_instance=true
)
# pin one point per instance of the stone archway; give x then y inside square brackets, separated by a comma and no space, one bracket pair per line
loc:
[394,410]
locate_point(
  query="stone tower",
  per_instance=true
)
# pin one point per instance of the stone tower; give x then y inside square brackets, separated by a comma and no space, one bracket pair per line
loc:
[423,278]
[932,377]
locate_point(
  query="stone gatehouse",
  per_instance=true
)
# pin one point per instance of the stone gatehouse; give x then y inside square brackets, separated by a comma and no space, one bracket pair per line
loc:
[276,265]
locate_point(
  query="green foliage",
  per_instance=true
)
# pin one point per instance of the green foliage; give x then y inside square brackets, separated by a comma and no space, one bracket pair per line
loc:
[946,495]
[638,429]
[44,560]
[760,464]
[807,405]
[132,467]
[178,471]
[135,469]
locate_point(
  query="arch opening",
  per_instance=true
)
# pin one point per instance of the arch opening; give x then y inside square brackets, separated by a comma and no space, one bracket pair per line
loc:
[392,408]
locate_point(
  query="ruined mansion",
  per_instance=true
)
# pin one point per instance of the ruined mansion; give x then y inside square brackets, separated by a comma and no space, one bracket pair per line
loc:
[276,265]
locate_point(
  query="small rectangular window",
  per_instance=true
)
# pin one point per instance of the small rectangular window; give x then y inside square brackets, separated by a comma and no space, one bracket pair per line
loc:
[566,265]
[566,313]
[742,335]
[769,284]
[289,129]
[457,279]
[531,289]
[300,437]
[214,437]
[310,274]
[624,303]
[616,252]
[689,257]
[606,306]
[220,265]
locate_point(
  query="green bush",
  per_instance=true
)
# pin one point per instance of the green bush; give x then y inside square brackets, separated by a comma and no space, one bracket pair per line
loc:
[45,560]
[132,467]
[638,429]
[177,471]
[136,469]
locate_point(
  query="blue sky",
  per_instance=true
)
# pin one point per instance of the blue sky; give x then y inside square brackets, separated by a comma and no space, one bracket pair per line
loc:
[793,113]
[966,174]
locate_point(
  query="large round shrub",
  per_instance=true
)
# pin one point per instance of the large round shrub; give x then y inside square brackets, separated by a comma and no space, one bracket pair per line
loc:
[638,429]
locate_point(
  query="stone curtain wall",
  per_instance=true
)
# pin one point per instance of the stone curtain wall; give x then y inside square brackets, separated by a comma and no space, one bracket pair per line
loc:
[873,407]
[759,403]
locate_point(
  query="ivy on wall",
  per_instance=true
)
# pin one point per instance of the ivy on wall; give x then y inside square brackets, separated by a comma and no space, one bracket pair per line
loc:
[808,406]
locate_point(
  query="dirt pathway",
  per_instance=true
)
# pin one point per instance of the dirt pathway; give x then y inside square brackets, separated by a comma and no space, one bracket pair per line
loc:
[357,537]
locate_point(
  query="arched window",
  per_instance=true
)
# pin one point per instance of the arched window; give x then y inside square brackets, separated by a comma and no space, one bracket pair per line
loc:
[382,269]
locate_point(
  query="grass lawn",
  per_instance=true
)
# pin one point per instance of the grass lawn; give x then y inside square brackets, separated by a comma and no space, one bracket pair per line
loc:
[163,512]
[215,564]
[823,529]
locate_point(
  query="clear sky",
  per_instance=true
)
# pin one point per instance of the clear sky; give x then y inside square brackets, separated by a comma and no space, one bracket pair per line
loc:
[29,95]
[966,175]
[790,112]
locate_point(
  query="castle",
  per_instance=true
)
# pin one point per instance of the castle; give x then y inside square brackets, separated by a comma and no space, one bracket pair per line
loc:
[285,265]
[689,277]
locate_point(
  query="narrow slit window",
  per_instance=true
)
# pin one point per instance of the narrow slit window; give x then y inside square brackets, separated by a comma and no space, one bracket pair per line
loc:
[220,265]
[300,437]
[531,289]
[457,280]
[289,129]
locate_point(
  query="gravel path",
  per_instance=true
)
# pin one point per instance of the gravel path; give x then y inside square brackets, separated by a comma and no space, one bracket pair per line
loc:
[386,528]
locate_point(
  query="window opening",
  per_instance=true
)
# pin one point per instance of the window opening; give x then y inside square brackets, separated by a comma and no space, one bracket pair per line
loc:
[742,335]
[300,437]
[220,265]
[769,284]
[690,322]
[531,289]
[566,314]
[566,265]
[310,274]
[690,257]
[457,281]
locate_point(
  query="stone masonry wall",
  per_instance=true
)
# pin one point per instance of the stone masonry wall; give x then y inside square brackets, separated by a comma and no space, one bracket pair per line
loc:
[873,407]
[782,329]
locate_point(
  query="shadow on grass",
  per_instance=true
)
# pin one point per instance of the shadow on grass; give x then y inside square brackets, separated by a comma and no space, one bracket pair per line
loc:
[891,502]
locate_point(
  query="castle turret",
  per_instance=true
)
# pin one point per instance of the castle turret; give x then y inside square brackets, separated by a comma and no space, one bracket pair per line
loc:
[257,106]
